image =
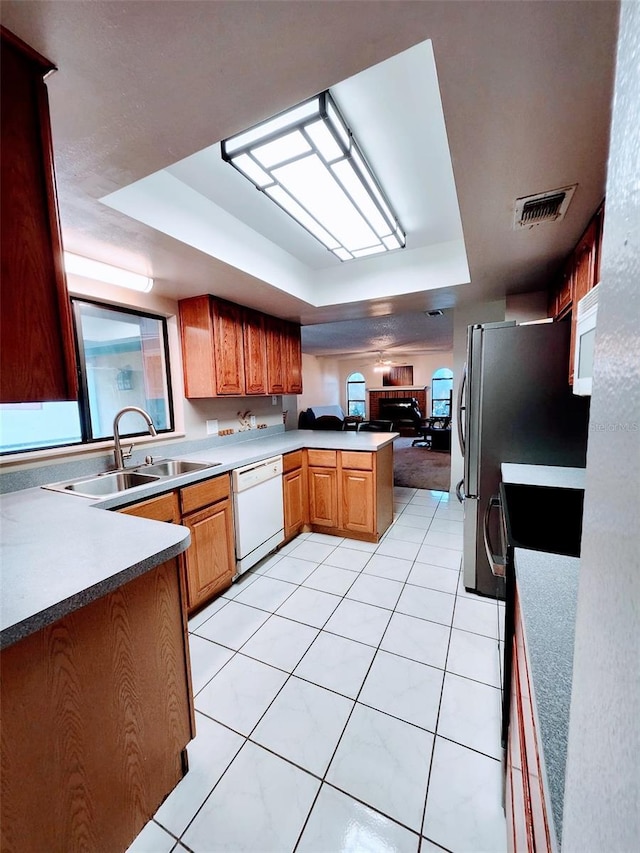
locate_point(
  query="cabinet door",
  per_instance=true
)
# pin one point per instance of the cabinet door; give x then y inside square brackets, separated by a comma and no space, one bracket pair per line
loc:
[584,278]
[37,358]
[565,290]
[357,501]
[196,340]
[275,357]
[255,353]
[295,502]
[210,560]
[293,360]
[323,496]
[228,348]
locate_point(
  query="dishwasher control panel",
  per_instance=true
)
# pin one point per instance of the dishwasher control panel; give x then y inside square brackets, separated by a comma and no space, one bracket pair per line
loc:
[257,472]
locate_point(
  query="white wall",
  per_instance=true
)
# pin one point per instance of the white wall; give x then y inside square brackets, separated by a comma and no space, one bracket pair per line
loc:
[464,316]
[524,307]
[320,384]
[602,788]
[424,365]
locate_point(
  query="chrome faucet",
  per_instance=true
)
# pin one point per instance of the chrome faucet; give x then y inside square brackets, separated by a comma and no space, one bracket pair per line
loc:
[118,455]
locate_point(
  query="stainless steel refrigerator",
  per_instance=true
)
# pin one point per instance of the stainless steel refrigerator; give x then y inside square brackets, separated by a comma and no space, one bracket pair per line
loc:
[515,404]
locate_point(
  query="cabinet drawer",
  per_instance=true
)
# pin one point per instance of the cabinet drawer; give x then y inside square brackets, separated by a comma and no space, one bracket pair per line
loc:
[204,493]
[357,460]
[291,461]
[322,458]
[162,508]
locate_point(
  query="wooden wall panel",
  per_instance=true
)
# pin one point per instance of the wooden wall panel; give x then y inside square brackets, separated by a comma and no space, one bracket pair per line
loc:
[95,715]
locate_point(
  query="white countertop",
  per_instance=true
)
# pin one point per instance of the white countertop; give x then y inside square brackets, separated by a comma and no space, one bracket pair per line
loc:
[59,551]
[552,476]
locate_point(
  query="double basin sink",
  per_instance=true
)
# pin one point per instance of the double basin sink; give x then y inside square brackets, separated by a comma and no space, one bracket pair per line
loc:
[114,482]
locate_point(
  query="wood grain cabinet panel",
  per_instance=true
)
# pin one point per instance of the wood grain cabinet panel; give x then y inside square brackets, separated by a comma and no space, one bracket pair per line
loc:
[37,357]
[228,348]
[196,341]
[357,512]
[210,559]
[162,508]
[255,353]
[323,497]
[276,355]
[96,714]
[294,486]
[293,359]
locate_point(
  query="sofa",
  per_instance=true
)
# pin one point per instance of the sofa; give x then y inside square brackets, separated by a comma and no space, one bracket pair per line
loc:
[322,417]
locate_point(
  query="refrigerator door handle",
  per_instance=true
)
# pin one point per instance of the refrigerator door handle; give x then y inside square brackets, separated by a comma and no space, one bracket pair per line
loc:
[496,562]
[461,408]
[459,492]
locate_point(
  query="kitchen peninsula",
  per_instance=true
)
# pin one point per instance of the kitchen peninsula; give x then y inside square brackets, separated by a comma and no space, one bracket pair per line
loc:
[97,705]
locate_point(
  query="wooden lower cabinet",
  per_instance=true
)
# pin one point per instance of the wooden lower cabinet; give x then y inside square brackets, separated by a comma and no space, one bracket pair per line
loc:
[96,715]
[294,494]
[210,560]
[205,508]
[351,492]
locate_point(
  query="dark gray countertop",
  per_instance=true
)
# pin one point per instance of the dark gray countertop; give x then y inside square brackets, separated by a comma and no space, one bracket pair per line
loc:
[58,552]
[548,591]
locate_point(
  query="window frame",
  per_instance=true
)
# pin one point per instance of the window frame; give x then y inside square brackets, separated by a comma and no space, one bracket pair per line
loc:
[448,399]
[351,399]
[87,438]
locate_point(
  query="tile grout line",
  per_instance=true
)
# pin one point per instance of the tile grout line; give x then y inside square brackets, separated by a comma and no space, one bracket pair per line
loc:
[343,597]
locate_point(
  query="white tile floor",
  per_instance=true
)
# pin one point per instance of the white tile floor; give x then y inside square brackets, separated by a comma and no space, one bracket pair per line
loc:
[347,699]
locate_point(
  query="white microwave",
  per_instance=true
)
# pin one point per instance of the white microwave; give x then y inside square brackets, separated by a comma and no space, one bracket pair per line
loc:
[585,343]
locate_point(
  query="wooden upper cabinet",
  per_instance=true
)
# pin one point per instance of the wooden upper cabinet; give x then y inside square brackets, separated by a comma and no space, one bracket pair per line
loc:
[212,347]
[585,269]
[276,354]
[37,356]
[229,347]
[293,362]
[196,339]
[234,351]
[255,353]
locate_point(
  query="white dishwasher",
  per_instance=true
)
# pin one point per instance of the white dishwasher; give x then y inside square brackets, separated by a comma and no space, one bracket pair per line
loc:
[258,511]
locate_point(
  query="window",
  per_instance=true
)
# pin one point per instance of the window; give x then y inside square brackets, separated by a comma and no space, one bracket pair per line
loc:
[441,390]
[123,361]
[355,395]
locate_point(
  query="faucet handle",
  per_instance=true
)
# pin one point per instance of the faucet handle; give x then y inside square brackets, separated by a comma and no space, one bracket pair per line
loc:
[127,454]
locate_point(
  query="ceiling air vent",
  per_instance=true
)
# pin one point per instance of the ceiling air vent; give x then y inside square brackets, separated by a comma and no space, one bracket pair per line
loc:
[435,313]
[543,207]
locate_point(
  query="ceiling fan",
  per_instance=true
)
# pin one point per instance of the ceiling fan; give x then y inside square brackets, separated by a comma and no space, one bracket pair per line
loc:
[381,363]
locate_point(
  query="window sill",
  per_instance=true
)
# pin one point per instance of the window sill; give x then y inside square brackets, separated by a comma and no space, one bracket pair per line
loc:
[96,448]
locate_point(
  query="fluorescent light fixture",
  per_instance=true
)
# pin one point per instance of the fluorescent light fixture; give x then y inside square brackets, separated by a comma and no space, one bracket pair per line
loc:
[98,271]
[307,161]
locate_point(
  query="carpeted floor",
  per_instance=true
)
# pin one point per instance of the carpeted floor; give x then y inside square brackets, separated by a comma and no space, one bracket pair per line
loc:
[418,467]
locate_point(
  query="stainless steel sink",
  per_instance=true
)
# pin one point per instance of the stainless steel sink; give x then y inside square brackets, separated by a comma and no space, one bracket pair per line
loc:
[174,467]
[104,484]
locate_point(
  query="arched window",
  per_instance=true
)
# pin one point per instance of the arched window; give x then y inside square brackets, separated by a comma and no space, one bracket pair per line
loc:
[441,390]
[356,394]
